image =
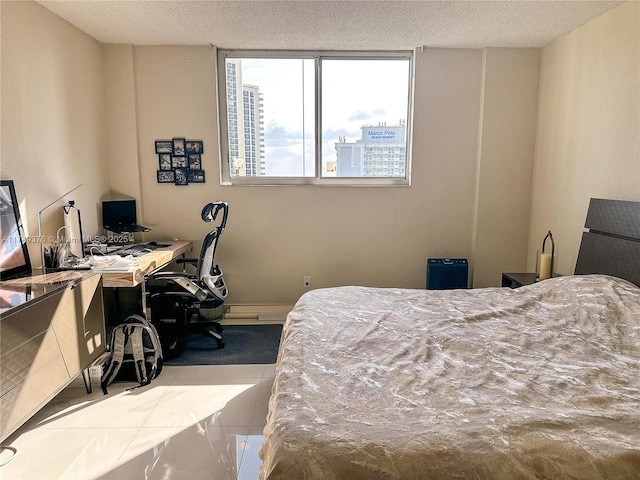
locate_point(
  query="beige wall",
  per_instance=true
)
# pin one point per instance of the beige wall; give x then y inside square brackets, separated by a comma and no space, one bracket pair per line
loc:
[275,235]
[122,132]
[339,236]
[588,128]
[473,125]
[505,162]
[53,116]
[95,111]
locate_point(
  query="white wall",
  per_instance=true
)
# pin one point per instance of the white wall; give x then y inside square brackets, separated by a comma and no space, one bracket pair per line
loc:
[53,116]
[588,128]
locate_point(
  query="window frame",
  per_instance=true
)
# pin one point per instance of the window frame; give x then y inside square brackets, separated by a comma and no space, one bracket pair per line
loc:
[317,55]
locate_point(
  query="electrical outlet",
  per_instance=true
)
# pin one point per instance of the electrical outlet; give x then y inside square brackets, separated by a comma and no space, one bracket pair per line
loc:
[307,281]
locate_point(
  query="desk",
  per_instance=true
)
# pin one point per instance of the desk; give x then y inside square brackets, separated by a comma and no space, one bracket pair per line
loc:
[51,329]
[149,262]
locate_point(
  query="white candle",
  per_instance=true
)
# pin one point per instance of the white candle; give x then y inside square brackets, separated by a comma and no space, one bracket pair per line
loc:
[545,266]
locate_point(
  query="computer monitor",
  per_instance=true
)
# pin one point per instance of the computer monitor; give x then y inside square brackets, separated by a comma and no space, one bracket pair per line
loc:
[73,230]
[14,254]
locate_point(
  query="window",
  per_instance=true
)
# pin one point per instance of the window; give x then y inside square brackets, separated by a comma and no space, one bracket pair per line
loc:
[335,118]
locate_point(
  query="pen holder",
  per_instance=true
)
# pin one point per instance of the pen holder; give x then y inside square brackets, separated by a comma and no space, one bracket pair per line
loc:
[50,256]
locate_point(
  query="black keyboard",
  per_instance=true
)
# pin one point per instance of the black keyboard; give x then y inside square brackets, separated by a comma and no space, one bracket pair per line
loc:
[138,249]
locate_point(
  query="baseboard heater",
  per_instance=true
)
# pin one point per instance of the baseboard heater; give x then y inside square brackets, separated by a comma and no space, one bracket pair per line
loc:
[243,314]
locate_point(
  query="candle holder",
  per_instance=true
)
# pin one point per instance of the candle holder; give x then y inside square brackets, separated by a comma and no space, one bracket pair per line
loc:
[546,260]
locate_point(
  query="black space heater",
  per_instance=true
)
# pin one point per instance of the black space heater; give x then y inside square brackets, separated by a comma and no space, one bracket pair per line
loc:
[447,273]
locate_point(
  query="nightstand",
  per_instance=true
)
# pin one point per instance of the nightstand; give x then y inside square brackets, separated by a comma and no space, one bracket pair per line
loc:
[515,280]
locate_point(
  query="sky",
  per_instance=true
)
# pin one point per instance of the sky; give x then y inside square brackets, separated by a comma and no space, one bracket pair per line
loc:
[354,93]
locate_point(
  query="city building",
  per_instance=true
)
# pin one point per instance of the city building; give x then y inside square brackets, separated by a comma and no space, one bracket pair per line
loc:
[246,125]
[381,151]
[253,130]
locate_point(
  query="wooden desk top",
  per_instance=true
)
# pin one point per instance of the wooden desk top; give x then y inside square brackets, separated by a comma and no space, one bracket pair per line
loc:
[148,263]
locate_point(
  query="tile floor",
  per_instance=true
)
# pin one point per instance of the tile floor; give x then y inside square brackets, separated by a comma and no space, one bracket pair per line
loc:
[196,422]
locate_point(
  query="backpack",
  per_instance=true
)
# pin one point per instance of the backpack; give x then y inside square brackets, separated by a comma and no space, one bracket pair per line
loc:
[135,353]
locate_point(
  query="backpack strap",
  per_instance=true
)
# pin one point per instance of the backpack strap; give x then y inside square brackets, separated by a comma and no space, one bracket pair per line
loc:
[157,356]
[152,354]
[114,363]
[137,350]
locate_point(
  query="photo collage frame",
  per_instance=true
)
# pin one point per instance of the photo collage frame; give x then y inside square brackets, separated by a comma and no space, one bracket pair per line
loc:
[180,161]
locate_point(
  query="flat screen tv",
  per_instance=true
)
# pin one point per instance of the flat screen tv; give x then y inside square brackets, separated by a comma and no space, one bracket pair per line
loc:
[14,254]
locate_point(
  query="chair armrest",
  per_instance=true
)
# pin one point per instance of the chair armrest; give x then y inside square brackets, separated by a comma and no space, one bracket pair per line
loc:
[183,282]
[187,261]
[190,261]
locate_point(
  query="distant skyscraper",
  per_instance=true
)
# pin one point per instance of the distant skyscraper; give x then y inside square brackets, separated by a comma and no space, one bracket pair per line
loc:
[381,152]
[245,120]
[234,111]
[253,130]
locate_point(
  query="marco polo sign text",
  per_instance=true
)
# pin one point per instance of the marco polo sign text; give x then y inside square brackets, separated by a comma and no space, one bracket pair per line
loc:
[383,135]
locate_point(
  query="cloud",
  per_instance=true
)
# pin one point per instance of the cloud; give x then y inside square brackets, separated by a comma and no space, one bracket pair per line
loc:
[283,151]
[363,115]
[279,136]
[332,134]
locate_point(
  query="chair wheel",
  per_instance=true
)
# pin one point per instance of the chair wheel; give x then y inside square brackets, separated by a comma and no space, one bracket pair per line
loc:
[171,348]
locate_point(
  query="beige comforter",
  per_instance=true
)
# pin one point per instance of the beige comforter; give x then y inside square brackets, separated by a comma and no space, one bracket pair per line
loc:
[539,382]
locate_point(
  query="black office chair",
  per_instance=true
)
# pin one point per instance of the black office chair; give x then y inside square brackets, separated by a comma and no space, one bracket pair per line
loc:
[177,297]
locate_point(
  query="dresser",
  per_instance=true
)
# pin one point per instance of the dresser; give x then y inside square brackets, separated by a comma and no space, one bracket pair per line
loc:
[51,329]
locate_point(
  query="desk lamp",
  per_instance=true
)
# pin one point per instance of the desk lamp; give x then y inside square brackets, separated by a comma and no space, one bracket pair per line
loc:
[40,224]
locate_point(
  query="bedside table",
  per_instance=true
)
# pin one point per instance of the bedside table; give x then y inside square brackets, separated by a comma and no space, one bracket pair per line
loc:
[515,280]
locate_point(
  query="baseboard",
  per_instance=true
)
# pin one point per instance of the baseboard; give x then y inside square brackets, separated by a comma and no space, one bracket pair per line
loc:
[255,314]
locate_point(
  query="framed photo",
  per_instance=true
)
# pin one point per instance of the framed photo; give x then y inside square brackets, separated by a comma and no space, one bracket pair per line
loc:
[179,162]
[165,161]
[194,146]
[181,176]
[195,176]
[195,161]
[178,146]
[164,146]
[166,176]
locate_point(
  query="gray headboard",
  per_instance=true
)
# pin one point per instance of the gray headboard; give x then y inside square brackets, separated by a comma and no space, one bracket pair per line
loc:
[612,244]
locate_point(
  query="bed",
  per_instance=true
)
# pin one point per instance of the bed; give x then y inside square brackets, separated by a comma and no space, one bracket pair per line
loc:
[537,382]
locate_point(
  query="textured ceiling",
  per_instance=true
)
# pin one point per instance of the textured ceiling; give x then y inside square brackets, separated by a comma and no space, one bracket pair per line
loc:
[281,24]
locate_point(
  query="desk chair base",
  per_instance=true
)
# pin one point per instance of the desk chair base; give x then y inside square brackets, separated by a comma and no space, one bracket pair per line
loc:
[173,330]
[172,343]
